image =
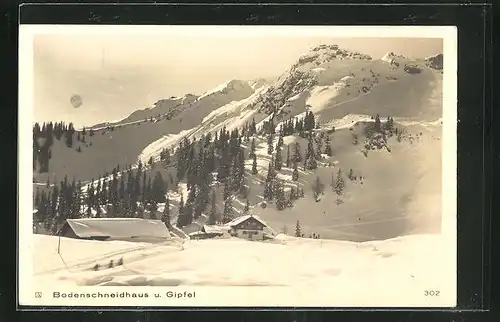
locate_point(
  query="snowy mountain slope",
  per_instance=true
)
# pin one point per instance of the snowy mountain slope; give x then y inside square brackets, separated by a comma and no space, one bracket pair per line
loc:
[344,90]
[232,115]
[330,81]
[162,107]
[402,260]
[400,192]
[122,142]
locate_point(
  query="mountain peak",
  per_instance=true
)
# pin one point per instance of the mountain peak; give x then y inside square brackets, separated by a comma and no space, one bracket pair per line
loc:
[224,88]
[326,53]
[334,51]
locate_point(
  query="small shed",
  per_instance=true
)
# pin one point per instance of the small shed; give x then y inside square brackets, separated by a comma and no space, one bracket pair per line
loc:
[126,229]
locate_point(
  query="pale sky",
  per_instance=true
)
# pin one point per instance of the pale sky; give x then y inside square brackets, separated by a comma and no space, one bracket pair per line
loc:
[117,74]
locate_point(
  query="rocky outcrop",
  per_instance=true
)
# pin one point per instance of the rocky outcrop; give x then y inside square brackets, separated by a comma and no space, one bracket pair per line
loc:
[412,69]
[435,62]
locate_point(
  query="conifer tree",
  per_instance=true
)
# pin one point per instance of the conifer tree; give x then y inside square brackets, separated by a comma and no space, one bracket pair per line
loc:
[271,126]
[297,156]
[269,184]
[328,146]
[238,171]
[144,189]
[166,158]
[298,233]
[270,147]
[212,217]
[278,160]
[189,205]
[310,159]
[182,156]
[254,165]
[280,196]
[389,124]
[147,194]
[227,189]
[158,188]
[75,202]
[121,188]
[225,162]
[339,183]
[295,174]
[153,208]
[227,215]
[319,144]
[378,126]
[166,212]
[251,154]
[69,135]
[181,218]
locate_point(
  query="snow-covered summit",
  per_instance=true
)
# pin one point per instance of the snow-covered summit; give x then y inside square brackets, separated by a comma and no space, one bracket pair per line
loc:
[327,76]
[326,53]
[228,87]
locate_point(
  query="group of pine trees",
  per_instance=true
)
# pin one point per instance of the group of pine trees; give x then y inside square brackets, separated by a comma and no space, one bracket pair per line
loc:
[216,159]
[43,140]
[377,127]
[197,160]
[302,126]
[273,187]
[337,184]
[128,193]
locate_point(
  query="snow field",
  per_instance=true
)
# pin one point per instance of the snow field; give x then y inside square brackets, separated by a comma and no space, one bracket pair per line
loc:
[234,262]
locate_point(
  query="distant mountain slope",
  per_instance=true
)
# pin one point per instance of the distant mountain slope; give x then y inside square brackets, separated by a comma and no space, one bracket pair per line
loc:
[122,142]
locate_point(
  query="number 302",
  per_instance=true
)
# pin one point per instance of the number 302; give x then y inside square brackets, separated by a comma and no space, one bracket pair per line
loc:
[431,293]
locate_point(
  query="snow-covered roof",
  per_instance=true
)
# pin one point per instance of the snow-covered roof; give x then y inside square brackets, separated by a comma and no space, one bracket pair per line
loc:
[241,219]
[215,229]
[118,227]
